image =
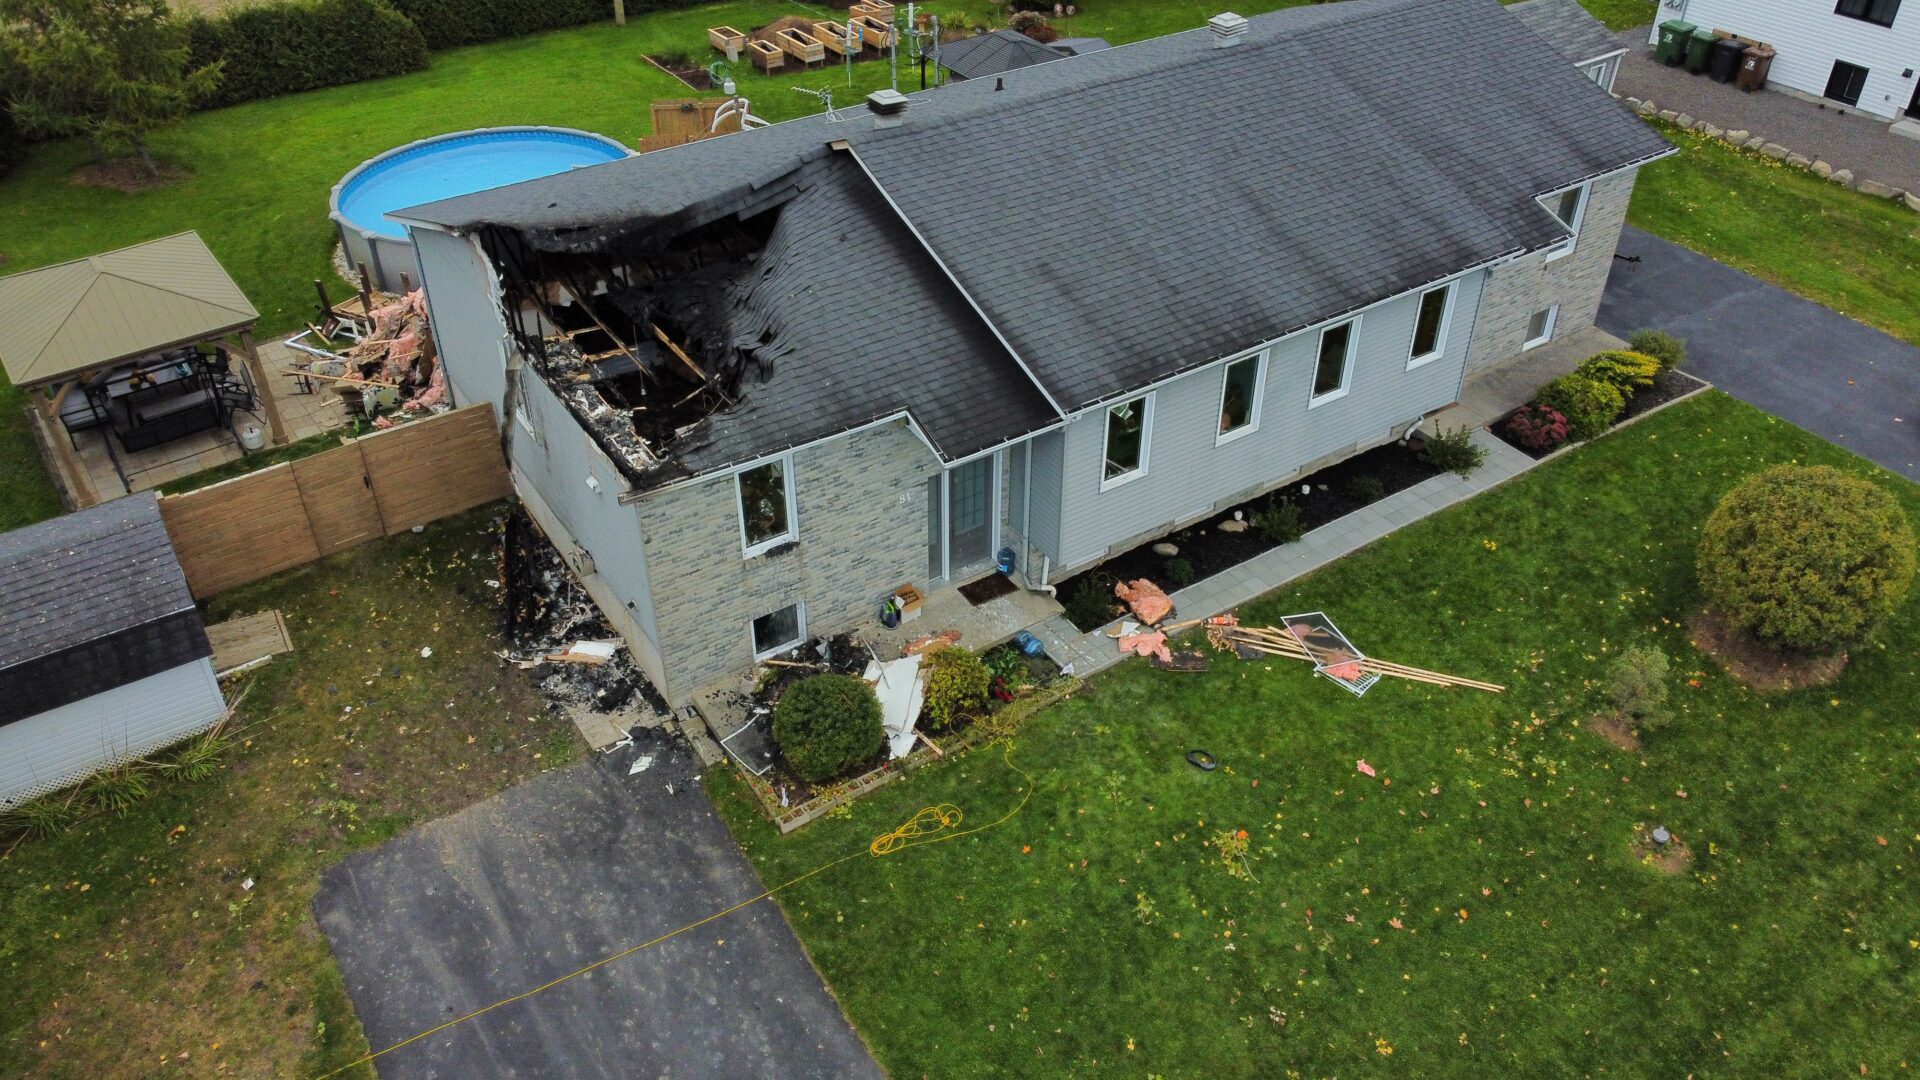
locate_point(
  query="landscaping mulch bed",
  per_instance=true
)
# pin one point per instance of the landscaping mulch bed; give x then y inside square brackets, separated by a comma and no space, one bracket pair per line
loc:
[1667,386]
[129,175]
[685,69]
[1756,664]
[1209,550]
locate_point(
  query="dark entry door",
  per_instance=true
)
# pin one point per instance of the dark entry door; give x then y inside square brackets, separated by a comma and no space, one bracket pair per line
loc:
[970,513]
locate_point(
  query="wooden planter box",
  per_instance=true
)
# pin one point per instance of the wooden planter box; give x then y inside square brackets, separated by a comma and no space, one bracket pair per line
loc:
[873,31]
[878,9]
[833,37]
[766,57]
[727,40]
[800,46]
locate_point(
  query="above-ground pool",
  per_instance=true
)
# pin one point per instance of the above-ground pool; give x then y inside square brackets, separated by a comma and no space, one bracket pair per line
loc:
[440,168]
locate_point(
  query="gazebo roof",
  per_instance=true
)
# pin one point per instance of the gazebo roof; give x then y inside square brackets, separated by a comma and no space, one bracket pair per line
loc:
[61,320]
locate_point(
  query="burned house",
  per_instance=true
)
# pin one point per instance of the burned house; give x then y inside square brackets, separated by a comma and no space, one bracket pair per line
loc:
[755,383]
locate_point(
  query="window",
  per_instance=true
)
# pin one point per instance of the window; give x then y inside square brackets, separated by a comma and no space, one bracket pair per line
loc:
[1846,82]
[1569,207]
[766,505]
[1540,327]
[1598,72]
[1430,325]
[778,631]
[1330,370]
[1880,12]
[1240,398]
[1129,427]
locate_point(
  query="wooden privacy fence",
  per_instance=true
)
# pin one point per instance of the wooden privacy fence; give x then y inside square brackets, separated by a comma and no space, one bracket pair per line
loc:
[290,514]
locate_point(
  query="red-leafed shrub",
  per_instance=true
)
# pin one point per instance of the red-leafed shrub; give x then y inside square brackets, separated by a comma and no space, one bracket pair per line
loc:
[1538,427]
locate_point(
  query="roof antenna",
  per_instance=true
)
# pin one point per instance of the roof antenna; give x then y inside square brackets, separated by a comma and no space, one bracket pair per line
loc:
[999,85]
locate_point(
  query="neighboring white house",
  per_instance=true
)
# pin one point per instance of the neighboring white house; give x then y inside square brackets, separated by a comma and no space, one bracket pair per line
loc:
[1863,53]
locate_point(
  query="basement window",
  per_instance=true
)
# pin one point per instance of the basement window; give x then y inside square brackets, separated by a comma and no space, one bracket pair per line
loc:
[778,631]
[1540,327]
[1430,326]
[1240,397]
[766,505]
[1129,427]
[1846,82]
[1335,363]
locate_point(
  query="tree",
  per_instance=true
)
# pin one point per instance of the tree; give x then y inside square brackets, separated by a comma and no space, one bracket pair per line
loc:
[109,70]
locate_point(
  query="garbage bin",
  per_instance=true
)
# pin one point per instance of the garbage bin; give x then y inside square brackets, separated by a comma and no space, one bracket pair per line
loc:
[1726,59]
[1753,68]
[1673,41]
[1700,51]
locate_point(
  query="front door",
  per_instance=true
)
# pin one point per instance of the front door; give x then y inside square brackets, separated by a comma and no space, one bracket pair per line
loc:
[960,517]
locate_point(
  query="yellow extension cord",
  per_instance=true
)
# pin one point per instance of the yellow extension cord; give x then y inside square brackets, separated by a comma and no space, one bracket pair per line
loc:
[930,825]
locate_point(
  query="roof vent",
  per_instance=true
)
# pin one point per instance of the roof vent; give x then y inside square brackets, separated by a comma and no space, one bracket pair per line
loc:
[889,108]
[1227,28]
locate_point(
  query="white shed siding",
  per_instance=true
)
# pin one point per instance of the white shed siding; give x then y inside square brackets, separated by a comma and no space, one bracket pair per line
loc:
[62,746]
[1809,37]
[1188,476]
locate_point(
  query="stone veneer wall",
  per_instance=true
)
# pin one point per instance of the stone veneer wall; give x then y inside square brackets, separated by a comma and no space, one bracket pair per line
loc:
[862,530]
[1517,289]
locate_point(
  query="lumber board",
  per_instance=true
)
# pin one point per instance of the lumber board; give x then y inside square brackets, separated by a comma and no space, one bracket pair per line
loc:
[245,638]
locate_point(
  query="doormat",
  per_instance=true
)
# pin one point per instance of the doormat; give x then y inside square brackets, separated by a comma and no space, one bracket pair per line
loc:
[991,587]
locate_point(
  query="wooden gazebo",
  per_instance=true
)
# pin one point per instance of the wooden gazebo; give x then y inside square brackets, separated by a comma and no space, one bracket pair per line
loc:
[147,335]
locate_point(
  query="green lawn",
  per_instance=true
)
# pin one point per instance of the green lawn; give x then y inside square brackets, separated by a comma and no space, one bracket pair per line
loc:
[128,946]
[1482,914]
[1854,253]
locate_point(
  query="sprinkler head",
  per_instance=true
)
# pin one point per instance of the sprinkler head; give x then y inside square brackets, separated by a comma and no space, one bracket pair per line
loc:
[1661,836]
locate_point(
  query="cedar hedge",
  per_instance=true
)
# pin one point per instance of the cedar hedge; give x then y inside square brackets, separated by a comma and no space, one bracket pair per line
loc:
[300,45]
[448,23]
[13,145]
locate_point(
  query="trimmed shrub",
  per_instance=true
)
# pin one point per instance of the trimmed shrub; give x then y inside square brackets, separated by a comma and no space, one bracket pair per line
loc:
[283,48]
[1636,682]
[1090,605]
[1537,427]
[1590,405]
[1280,523]
[957,684]
[447,23]
[827,724]
[1664,347]
[1807,557]
[1367,489]
[1629,371]
[1179,571]
[1454,451]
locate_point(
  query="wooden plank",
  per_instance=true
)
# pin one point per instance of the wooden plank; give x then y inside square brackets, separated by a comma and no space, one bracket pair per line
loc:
[338,497]
[243,639]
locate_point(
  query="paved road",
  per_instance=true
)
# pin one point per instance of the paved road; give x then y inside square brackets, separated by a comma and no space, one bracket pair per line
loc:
[1843,381]
[556,873]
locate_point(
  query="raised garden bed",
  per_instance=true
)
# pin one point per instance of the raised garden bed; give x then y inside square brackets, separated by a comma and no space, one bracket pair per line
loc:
[1336,491]
[1668,386]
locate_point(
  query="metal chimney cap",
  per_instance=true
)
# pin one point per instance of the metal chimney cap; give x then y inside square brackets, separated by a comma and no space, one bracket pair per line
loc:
[887,102]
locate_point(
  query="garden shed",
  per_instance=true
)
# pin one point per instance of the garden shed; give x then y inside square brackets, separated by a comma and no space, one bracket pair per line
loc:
[143,345]
[103,656]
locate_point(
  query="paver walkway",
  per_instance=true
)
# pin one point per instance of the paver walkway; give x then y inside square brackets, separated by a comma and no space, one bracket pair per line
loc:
[1854,141]
[1842,380]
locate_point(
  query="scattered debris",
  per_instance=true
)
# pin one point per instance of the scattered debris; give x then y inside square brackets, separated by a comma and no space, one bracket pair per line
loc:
[902,690]
[392,365]
[1189,660]
[1202,760]
[1317,640]
[1148,601]
[640,764]
[929,642]
[587,652]
[1365,768]
[1153,643]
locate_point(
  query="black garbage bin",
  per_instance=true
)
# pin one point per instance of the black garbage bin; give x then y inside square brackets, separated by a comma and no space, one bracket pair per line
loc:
[1726,59]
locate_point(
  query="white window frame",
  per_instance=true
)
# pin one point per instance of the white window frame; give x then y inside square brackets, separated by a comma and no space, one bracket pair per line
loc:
[1145,401]
[800,611]
[1314,401]
[1553,317]
[1259,358]
[1440,336]
[750,550]
[1597,71]
[1550,200]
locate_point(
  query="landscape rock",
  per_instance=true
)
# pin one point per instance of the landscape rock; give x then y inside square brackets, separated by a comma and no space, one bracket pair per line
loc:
[1755,143]
[1874,188]
[1912,200]
[1799,161]
[1843,177]
[1669,115]
[1233,526]
[1166,549]
[1821,168]
[1739,135]
[1646,108]
[1775,151]
[1712,131]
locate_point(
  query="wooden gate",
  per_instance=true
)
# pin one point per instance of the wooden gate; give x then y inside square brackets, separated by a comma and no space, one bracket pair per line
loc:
[290,514]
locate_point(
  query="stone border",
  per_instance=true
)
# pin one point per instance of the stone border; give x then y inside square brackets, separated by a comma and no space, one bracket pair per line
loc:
[1741,139]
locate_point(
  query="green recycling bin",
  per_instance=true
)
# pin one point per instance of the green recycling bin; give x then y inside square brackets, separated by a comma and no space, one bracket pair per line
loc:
[1672,47]
[1700,51]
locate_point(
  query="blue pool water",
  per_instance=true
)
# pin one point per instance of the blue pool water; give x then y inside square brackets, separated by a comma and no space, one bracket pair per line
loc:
[460,165]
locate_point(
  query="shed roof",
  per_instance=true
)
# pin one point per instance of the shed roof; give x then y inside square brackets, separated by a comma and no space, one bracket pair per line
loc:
[72,317]
[1568,27]
[994,53]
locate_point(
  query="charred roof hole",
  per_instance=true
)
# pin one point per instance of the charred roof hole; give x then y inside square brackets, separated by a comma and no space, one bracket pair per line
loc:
[645,338]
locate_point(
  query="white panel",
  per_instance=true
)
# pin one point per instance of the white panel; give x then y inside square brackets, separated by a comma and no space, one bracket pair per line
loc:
[49,751]
[1809,37]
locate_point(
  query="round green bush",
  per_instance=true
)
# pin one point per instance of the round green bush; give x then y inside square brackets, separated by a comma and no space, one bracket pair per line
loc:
[1670,351]
[957,684]
[1807,557]
[1630,371]
[826,724]
[1590,405]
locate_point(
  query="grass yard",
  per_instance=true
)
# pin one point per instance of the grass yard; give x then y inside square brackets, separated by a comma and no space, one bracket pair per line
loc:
[128,946]
[1854,253]
[1474,911]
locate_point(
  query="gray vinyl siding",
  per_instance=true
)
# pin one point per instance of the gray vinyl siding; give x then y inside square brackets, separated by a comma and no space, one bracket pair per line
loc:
[1048,461]
[1188,476]
[50,750]
[468,328]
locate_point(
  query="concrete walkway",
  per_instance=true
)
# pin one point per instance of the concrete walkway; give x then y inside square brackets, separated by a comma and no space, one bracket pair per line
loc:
[1842,380]
[1853,141]
[1092,652]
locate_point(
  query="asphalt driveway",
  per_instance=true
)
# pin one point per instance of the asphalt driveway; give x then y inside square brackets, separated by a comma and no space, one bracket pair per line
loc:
[555,874]
[1845,382]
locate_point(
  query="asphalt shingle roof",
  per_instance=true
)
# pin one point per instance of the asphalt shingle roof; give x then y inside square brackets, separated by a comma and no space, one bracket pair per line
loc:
[94,600]
[1216,197]
[1568,27]
[995,52]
